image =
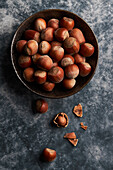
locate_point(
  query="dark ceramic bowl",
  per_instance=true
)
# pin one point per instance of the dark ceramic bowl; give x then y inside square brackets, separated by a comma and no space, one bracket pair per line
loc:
[59,91]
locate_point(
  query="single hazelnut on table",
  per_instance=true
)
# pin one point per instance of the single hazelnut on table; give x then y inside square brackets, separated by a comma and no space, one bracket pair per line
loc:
[61,120]
[31,47]
[84,69]
[41,106]
[77,33]
[47,34]
[48,86]
[20,45]
[44,47]
[86,49]
[67,60]
[61,34]
[32,35]
[56,43]
[68,83]
[56,53]
[56,74]
[78,58]
[71,45]
[67,23]
[24,61]
[40,24]
[44,62]
[35,57]
[28,74]
[49,154]
[54,23]
[71,71]
[40,76]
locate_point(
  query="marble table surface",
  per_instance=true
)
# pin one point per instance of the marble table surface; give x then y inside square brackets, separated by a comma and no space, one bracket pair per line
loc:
[23,136]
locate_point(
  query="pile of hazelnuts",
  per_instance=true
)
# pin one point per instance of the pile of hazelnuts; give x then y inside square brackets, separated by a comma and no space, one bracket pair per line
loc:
[54,52]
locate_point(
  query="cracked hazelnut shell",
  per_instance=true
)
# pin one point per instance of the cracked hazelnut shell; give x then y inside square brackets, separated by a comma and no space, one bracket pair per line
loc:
[61,120]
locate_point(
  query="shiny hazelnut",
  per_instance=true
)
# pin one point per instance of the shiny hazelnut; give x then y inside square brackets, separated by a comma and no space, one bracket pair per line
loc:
[61,34]
[71,45]
[40,24]
[20,45]
[67,23]
[84,69]
[86,50]
[68,83]
[55,43]
[32,35]
[28,74]
[77,33]
[41,106]
[48,86]
[54,23]
[67,60]
[44,62]
[44,47]
[56,53]
[61,120]
[31,47]
[78,58]
[24,61]
[56,74]
[49,154]
[71,71]
[35,58]
[40,76]
[47,34]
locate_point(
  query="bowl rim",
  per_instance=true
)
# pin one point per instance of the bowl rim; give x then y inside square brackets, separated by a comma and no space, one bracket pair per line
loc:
[43,95]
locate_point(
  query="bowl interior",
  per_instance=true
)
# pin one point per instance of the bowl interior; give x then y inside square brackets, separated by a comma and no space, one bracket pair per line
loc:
[58,91]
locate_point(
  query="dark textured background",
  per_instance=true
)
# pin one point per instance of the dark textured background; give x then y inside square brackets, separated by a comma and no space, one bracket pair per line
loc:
[23,136]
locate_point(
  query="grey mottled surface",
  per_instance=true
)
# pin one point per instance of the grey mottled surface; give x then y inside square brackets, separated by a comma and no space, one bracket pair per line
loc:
[23,136]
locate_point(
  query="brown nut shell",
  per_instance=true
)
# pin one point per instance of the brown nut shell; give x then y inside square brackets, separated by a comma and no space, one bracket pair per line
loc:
[49,154]
[54,23]
[70,135]
[77,33]
[61,34]
[78,58]
[78,110]
[61,120]
[47,34]
[40,24]
[32,35]
[86,49]
[67,23]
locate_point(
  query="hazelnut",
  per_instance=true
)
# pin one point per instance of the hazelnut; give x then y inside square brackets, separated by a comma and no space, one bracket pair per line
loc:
[35,58]
[32,35]
[31,47]
[78,58]
[71,45]
[44,47]
[48,86]
[67,60]
[44,62]
[84,69]
[61,120]
[56,74]
[28,74]
[49,154]
[40,76]
[24,61]
[86,50]
[61,34]
[71,71]
[67,23]
[54,23]
[56,53]
[77,33]
[41,106]
[40,24]
[68,83]
[47,34]
[55,43]
[20,45]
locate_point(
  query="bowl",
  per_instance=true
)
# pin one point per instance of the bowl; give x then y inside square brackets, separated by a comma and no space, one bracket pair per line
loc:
[59,91]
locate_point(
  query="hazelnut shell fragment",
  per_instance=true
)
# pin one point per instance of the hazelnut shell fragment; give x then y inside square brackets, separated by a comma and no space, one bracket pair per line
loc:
[82,126]
[70,135]
[61,120]
[78,110]
[73,141]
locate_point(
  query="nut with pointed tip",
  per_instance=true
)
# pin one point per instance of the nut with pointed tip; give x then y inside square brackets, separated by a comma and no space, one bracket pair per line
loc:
[40,24]
[55,43]
[78,58]
[56,53]
[68,83]
[67,23]
[24,61]
[86,49]
[20,45]
[77,33]
[44,62]
[28,74]
[40,76]
[31,47]
[61,120]
[67,60]
[32,35]
[71,71]
[48,86]
[54,23]
[44,47]
[84,69]
[35,58]
[61,34]
[41,106]
[49,154]
[47,34]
